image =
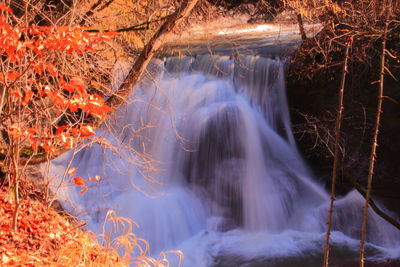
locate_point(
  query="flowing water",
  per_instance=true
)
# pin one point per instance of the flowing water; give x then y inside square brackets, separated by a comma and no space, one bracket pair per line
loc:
[206,163]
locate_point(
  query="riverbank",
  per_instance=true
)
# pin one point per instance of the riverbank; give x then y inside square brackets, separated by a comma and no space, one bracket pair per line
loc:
[46,238]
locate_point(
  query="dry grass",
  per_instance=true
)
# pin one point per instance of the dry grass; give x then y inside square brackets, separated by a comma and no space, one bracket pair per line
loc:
[45,238]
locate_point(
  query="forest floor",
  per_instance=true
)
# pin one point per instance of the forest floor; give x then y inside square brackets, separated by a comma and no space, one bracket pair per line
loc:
[45,238]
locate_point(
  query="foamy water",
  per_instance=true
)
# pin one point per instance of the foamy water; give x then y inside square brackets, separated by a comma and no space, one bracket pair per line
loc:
[228,186]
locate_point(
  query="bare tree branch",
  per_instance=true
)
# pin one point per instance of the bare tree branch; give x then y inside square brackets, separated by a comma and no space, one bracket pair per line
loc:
[134,75]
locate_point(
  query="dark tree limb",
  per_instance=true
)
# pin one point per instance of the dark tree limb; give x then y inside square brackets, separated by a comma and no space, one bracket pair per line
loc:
[363,192]
[375,207]
[301,27]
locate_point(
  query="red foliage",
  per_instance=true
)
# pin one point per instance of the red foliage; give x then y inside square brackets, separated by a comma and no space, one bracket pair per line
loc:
[67,93]
[37,82]
[79,181]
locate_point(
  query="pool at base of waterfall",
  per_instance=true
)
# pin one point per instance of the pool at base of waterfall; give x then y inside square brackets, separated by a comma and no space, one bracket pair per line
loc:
[287,249]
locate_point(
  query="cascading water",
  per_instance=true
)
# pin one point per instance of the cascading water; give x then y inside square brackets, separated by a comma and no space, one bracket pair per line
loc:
[206,163]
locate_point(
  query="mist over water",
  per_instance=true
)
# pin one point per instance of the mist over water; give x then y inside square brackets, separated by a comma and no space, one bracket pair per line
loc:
[207,163]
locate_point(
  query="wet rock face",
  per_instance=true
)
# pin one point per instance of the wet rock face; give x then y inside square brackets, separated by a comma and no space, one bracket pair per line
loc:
[216,164]
[313,85]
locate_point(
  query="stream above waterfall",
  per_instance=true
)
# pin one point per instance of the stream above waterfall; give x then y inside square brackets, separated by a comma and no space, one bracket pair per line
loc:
[206,163]
[268,40]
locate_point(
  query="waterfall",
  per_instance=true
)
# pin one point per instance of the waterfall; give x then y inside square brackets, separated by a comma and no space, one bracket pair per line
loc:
[203,159]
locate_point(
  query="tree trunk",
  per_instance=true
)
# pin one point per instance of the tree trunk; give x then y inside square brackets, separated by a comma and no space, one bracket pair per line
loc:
[375,136]
[301,27]
[337,150]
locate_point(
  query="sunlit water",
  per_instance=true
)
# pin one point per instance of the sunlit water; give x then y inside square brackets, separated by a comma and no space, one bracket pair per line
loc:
[228,187]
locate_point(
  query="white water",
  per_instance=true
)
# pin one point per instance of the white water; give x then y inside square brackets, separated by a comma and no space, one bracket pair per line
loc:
[229,187]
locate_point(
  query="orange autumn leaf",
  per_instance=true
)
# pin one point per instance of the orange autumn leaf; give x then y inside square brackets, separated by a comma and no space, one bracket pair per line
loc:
[50,69]
[60,129]
[38,69]
[5,8]
[17,93]
[32,131]
[86,131]
[110,33]
[78,84]
[12,76]
[72,171]
[15,131]
[49,148]
[83,190]
[79,181]
[27,98]
[63,137]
